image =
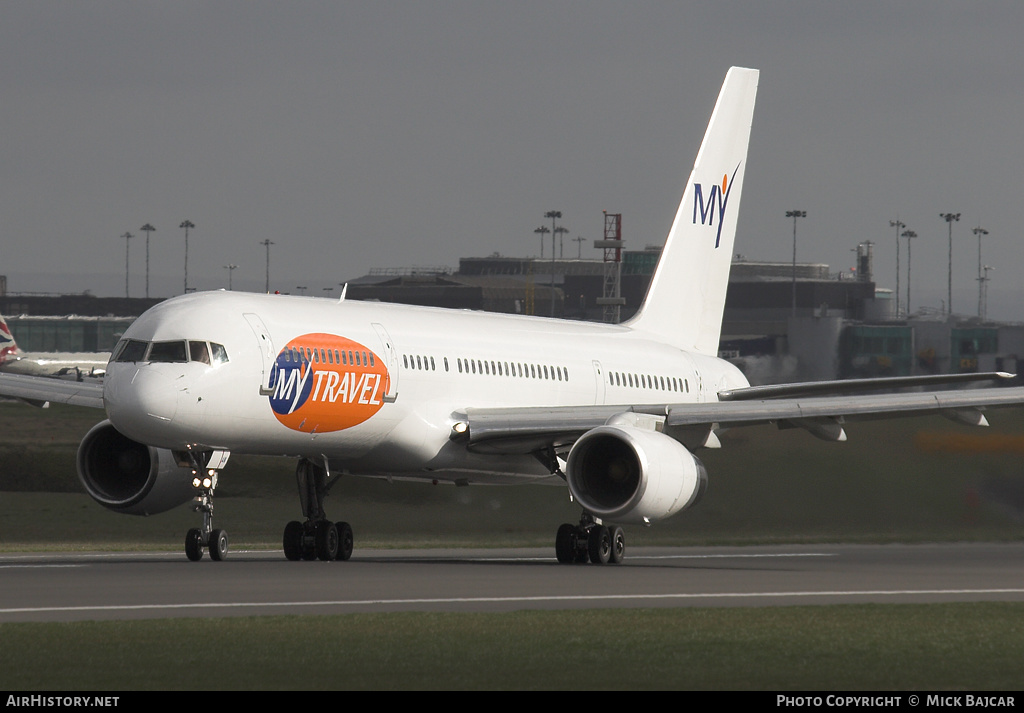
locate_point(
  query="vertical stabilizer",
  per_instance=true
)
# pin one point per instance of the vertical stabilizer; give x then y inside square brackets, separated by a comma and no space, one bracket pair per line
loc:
[8,347]
[686,297]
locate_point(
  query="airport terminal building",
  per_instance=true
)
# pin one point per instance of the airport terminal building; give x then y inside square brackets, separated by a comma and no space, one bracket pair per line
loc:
[782,322]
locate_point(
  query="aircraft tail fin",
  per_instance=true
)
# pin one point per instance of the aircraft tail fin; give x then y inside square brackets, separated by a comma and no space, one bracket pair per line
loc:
[8,347]
[686,298]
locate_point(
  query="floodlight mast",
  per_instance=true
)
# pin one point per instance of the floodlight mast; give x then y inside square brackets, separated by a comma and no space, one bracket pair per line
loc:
[794,214]
[899,226]
[950,218]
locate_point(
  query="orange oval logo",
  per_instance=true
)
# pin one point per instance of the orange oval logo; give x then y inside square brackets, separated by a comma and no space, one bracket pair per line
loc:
[323,382]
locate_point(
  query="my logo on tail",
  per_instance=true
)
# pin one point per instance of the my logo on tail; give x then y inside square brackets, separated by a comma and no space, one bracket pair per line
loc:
[718,199]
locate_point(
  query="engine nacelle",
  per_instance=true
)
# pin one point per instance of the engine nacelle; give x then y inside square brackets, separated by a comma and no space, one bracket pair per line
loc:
[625,474]
[129,477]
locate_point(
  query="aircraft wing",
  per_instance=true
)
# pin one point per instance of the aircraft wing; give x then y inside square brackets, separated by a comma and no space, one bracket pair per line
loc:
[41,390]
[524,430]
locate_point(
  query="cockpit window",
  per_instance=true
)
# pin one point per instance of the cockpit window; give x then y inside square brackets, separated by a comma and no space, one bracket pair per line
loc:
[220,354]
[198,351]
[130,350]
[135,350]
[168,352]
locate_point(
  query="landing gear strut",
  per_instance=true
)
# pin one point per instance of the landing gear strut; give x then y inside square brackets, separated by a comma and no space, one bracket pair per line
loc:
[204,480]
[317,537]
[590,541]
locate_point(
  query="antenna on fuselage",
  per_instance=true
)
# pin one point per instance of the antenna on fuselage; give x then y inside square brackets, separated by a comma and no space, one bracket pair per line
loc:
[344,289]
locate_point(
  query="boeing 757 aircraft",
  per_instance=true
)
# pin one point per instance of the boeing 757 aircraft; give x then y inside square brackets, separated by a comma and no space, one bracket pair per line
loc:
[615,412]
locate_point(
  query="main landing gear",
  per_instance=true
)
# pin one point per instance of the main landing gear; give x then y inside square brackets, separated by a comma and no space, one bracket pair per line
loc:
[317,537]
[590,541]
[204,480]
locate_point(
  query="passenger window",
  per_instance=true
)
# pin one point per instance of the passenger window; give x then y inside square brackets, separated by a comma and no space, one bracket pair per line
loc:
[198,351]
[168,352]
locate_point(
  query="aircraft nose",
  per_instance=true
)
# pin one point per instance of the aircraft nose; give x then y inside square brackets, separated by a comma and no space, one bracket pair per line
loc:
[137,399]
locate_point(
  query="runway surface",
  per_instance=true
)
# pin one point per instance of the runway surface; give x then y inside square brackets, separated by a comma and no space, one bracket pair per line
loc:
[94,586]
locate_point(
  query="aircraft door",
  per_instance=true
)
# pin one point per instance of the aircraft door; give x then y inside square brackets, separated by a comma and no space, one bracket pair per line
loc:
[391,359]
[266,348]
[694,379]
[599,384]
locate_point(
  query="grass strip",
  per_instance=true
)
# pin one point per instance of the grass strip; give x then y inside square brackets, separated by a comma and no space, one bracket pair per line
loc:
[975,646]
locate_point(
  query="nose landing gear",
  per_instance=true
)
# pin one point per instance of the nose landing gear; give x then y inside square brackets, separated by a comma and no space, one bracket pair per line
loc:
[204,480]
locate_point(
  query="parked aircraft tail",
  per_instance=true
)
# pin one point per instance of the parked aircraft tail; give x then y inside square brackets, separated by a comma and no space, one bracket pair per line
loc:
[8,347]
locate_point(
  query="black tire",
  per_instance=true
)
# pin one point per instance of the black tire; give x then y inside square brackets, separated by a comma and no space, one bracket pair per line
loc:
[345,540]
[326,541]
[194,544]
[309,541]
[218,545]
[599,544]
[565,544]
[618,545]
[293,533]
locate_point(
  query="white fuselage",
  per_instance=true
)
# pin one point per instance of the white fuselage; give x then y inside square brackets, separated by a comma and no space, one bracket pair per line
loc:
[374,388]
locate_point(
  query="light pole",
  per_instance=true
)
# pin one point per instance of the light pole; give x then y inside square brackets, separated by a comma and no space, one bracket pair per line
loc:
[899,226]
[561,244]
[794,214]
[186,224]
[127,237]
[985,278]
[554,215]
[230,269]
[268,243]
[579,247]
[979,231]
[542,231]
[909,235]
[950,218]
[147,229]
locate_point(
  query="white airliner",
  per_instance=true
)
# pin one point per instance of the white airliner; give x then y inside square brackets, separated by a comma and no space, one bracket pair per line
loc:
[62,364]
[613,411]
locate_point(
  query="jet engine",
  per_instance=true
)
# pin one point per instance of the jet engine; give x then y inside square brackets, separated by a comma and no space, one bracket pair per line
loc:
[626,474]
[129,477]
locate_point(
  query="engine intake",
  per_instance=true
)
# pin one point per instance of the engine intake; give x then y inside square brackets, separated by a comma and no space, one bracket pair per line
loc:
[625,474]
[129,477]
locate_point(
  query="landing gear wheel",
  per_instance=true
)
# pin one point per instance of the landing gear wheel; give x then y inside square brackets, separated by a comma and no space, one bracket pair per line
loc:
[618,545]
[194,544]
[293,533]
[345,540]
[316,537]
[565,544]
[599,544]
[326,541]
[218,545]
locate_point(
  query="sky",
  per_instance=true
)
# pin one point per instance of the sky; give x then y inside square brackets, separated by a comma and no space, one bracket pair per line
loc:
[361,135]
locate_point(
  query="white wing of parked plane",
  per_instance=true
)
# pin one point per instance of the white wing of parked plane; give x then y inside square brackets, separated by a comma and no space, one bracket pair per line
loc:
[41,390]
